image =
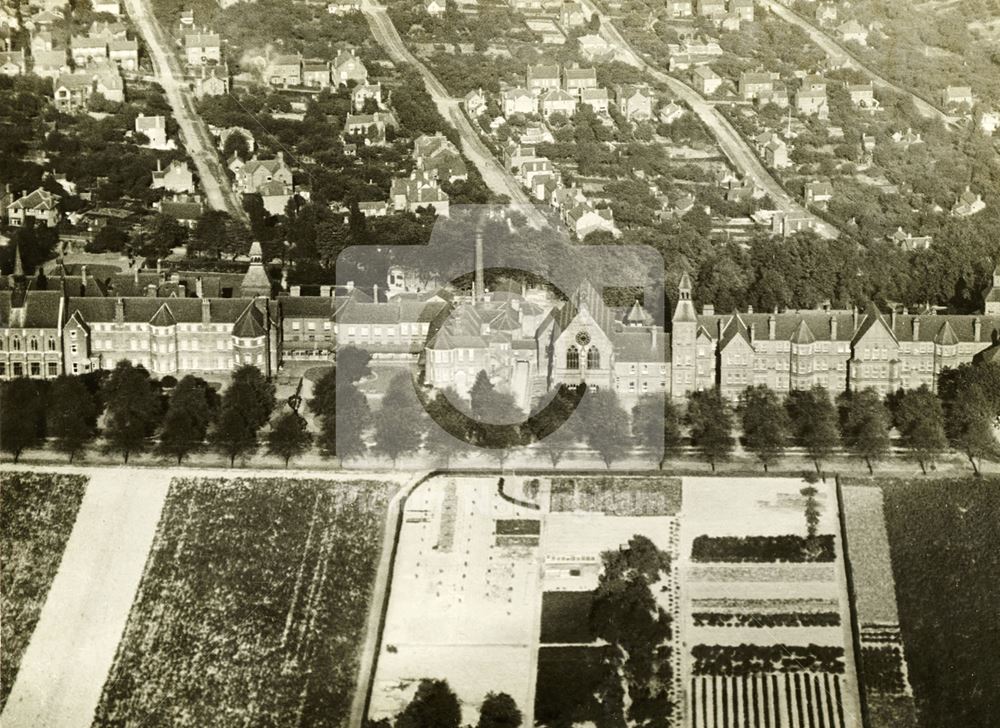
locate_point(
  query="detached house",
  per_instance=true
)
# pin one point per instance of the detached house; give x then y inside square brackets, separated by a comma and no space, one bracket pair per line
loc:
[125,53]
[364,91]
[370,126]
[818,193]
[853,32]
[475,103]
[711,8]
[84,49]
[12,63]
[679,8]
[71,91]
[202,48]
[315,74]
[49,64]
[743,9]
[635,103]
[595,98]
[542,78]
[40,205]
[257,172]
[585,219]
[518,101]
[909,241]
[812,103]
[154,128]
[863,96]
[434,154]
[285,71]
[968,203]
[755,84]
[576,79]
[571,15]
[348,67]
[419,190]
[705,80]
[557,101]
[177,177]
[776,154]
[212,81]
[957,96]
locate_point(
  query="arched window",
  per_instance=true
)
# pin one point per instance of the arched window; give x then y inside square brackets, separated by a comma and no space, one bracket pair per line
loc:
[15,344]
[33,343]
[52,344]
[1,344]
[572,358]
[593,358]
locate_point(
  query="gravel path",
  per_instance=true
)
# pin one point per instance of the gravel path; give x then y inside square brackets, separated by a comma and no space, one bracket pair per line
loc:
[63,670]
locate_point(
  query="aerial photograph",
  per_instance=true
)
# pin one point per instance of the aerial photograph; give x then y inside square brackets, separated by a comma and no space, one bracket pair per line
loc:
[499,363]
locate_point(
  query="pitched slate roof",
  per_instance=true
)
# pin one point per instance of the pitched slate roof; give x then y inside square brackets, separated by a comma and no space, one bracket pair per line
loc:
[38,310]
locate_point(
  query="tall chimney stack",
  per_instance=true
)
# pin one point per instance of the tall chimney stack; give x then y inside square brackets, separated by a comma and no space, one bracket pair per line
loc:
[479,291]
[977,328]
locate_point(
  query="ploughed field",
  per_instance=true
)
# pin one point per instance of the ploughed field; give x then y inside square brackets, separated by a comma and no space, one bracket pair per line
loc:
[37,512]
[252,607]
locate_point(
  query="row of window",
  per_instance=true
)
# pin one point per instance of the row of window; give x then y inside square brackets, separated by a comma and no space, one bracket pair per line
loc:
[33,343]
[593,358]
[32,369]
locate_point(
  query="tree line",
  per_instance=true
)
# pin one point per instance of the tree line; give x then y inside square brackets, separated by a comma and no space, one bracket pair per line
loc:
[134,413]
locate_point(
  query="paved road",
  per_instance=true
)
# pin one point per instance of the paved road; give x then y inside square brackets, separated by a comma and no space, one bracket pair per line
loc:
[63,670]
[732,144]
[197,140]
[494,175]
[831,47]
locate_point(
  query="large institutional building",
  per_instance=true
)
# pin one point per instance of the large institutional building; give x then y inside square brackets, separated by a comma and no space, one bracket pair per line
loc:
[207,323]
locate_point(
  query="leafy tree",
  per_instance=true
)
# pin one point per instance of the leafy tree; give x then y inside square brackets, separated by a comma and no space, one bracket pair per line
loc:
[811,510]
[399,424]
[919,418]
[448,428]
[605,425]
[22,420]
[324,395]
[71,417]
[656,425]
[710,419]
[813,420]
[246,407]
[433,706]
[970,395]
[252,393]
[865,426]
[352,363]
[189,413]
[210,231]
[342,429]
[289,436]
[765,424]
[132,409]
[163,234]
[499,711]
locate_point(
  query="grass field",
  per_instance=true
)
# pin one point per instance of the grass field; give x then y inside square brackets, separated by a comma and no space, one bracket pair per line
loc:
[252,606]
[943,537]
[37,511]
[566,617]
[570,682]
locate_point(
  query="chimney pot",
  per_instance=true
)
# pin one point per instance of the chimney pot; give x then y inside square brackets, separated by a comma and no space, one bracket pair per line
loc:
[199,291]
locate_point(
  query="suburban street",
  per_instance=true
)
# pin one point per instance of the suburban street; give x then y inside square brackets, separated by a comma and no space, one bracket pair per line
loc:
[733,146]
[494,175]
[831,47]
[198,142]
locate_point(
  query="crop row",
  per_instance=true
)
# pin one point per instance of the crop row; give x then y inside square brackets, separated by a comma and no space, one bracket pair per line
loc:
[773,619]
[750,659]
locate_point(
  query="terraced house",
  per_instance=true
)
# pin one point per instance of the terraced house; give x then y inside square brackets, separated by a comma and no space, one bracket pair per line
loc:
[837,349]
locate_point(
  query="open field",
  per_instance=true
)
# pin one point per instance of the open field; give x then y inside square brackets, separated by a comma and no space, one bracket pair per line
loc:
[943,537]
[253,589]
[766,615]
[37,511]
[462,607]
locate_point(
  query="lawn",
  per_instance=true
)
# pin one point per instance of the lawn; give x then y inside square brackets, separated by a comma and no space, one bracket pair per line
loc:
[943,537]
[37,512]
[570,679]
[566,617]
[252,607]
